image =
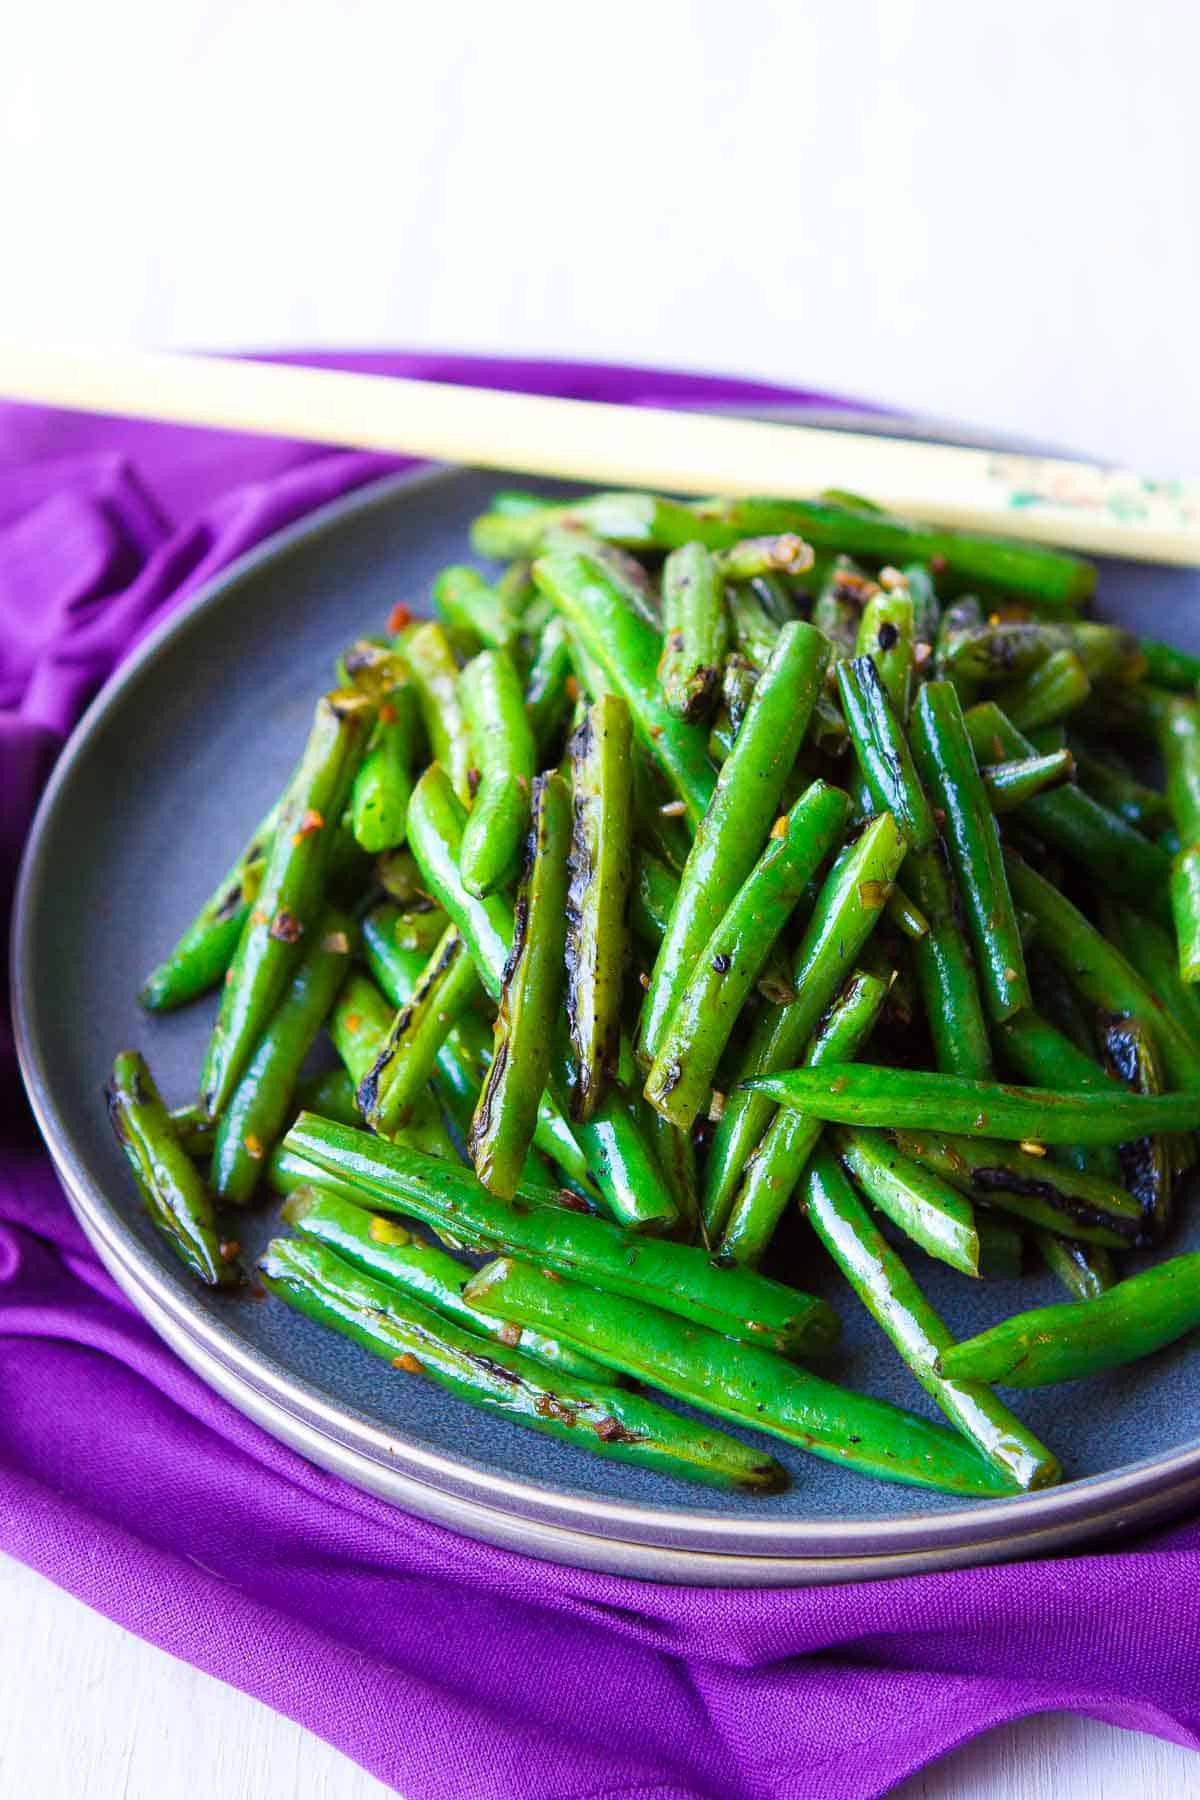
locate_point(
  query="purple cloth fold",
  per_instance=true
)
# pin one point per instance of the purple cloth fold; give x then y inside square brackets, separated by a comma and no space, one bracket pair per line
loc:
[128,1482]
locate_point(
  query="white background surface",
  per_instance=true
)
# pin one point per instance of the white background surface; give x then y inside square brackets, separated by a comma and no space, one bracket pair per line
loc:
[988,211]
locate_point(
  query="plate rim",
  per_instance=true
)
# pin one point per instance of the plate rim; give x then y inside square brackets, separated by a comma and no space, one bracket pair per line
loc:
[1149,1487]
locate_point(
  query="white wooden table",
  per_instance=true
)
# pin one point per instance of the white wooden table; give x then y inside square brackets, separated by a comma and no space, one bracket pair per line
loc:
[986,211]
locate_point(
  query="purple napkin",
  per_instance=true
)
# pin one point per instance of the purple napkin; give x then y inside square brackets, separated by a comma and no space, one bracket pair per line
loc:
[126,1481]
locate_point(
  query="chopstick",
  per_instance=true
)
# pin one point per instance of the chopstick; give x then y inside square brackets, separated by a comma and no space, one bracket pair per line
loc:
[1078,505]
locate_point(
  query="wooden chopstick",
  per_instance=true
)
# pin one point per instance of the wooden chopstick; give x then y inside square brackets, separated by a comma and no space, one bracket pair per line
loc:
[1079,505]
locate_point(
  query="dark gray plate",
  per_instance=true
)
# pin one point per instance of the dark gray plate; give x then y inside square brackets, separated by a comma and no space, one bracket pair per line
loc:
[157,789]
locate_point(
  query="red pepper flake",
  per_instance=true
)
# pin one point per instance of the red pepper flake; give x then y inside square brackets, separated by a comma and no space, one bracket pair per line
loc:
[937,564]
[387,713]
[939,817]
[755,1325]
[253,1146]
[286,927]
[981,1121]
[228,1249]
[656,732]
[408,1363]
[572,687]
[229,978]
[353,1023]
[312,821]
[839,1083]
[549,1275]
[398,618]
[473,780]
[523,783]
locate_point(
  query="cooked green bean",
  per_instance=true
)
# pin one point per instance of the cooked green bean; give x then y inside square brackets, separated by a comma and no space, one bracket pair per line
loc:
[1010,784]
[176,1200]
[680,1079]
[695,630]
[205,950]
[739,1382]
[1108,780]
[379,797]
[291,893]
[597,903]
[781,554]
[530,995]
[878,1276]
[620,1161]
[381,1248]
[259,1105]
[435,678]
[1179,741]
[1085,1270]
[678,1277]
[1030,1185]
[754,630]
[1130,1054]
[732,831]
[397,1078]
[1071,820]
[654,898]
[635,521]
[1100,973]
[504,752]
[1048,693]
[1064,1343]
[937,1218]
[947,763]
[1169,667]
[627,650]
[848,908]
[547,694]
[776,1165]
[838,608]
[863,1094]
[1154,955]
[886,635]
[607,1420]
[465,601]
[1043,1055]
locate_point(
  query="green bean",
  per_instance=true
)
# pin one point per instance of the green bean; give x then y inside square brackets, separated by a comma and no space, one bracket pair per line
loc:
[887,1290]
[176,1200]
[680,1078]
[886,635]
[1064,1343]
[597,903]
[731,833]
[863,1094]
[397,874]
[291,893]
[995,651]
[260,1103]
[1048,579]
[908,919]
[1048,693]
[776,1165]
[1045,1056]
[1029,1185]
[1099,840]
[635,521]
[1002,1248]
[627,650]
[506,1114]
[435,678]
[465,601]
[204,952]
[1085,1270]
[505,755]
[754,630]
[947,764]
[381,1248]
[937,1218]
[379,797]
[738,1382]
[398,1077]
[918,579]
[694,632]
[418,927]
[1169,667]
[677,1277]
[654,897]
[1179,742]
[841,600]
[604,1419]
[547,696]
[1010,784]
[1099,971]
[677,1159]
[620,1162]
[1130,1055]
[781,554]
[849,906]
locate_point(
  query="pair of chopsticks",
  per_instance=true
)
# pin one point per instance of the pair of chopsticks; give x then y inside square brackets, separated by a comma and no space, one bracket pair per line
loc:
[1078,505]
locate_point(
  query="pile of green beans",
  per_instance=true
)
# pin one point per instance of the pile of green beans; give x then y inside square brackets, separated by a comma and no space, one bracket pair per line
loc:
[718,889]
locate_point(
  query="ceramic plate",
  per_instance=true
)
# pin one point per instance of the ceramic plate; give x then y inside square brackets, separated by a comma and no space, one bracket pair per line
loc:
[155,793]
